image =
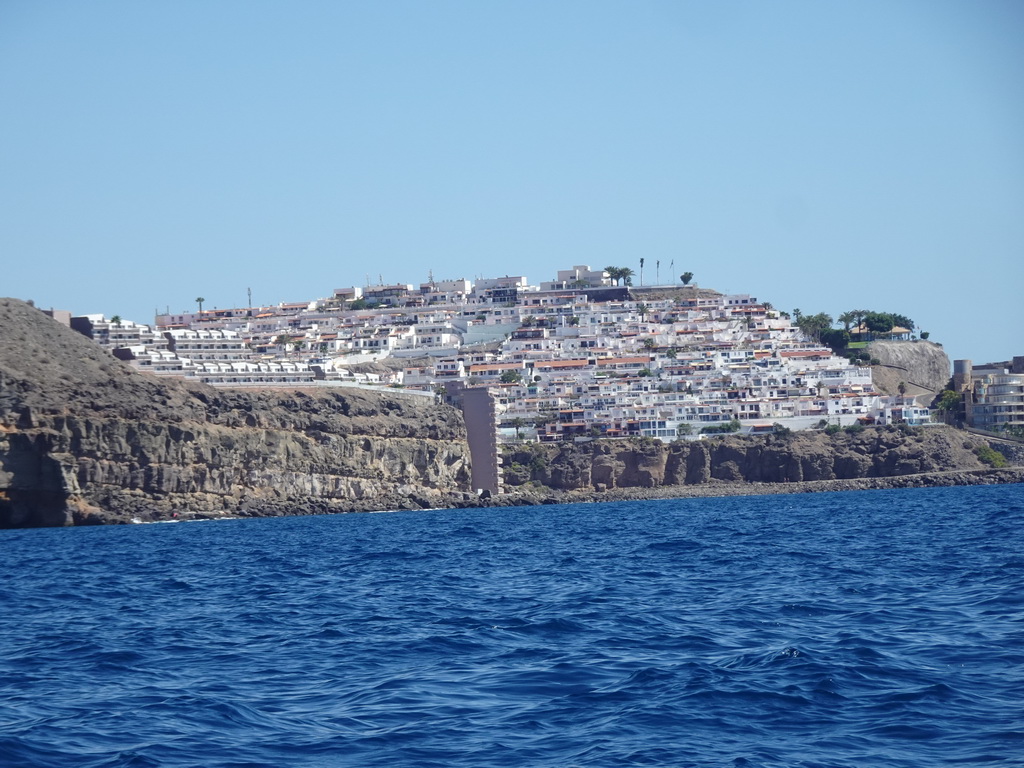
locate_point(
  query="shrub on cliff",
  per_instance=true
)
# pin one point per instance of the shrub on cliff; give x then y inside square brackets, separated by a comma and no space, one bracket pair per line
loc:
[989,455]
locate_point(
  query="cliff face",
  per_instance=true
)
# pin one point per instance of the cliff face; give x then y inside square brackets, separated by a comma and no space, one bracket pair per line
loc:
[797,457]
[922,365]
[85,438]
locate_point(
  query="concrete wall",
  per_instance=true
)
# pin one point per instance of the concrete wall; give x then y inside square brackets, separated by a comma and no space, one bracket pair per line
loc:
[481,431]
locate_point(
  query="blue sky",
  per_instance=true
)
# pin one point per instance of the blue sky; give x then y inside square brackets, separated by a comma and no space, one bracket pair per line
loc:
[821,155]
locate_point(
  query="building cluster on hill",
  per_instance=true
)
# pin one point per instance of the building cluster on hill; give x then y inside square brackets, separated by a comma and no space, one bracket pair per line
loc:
[573,358]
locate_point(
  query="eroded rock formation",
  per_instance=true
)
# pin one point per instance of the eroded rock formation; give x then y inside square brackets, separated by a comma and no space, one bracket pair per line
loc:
[922,366]
[791,458]
[85,438]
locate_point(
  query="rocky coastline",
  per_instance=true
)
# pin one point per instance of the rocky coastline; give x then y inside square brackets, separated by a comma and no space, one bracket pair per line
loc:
[86,440]
[535,496]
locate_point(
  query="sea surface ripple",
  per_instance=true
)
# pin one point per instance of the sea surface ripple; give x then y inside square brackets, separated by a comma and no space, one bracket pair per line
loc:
[821,630]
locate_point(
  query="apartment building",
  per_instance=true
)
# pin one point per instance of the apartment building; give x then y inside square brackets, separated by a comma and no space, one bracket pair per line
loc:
[993,393]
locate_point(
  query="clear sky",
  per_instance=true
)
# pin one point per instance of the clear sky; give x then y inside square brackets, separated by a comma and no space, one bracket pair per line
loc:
[821,155]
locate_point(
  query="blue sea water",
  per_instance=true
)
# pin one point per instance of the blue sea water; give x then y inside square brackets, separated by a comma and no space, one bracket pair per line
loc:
[881,628]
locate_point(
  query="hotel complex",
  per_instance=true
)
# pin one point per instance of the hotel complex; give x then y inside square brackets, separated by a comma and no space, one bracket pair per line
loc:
[571,359]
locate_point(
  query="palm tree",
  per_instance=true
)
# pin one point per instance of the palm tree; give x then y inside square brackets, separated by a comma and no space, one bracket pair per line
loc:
[641,270]
[642,309]
[847,319]
[627,276]
[116,321]
[858,316]
[518,424]
[199,301]
[615,273]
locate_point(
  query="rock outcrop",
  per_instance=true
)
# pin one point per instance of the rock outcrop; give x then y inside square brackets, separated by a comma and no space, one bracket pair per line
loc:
[922,365]
[797,457]
[85,438]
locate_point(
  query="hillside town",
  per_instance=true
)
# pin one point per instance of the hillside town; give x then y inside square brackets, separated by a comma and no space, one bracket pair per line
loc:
[585,355]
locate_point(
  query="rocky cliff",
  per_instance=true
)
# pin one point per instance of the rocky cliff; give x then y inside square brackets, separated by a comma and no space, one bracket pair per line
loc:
[922,365]
[87,439]
[792,458]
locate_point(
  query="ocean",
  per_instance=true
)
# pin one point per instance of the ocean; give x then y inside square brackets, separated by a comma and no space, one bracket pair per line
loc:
[872,628]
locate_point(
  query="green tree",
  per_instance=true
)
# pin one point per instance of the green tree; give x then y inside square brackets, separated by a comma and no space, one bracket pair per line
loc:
[947,404]
[199,301]
[615,273]
[814,325]
[686,277]
[116,320]
[903,321]
[648,343]
[925,335]
[641,270]
[627,276]
[643,309]
[511,377]
[517,424]
[847,319]
[858,316]
[835,338]
[878,322]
